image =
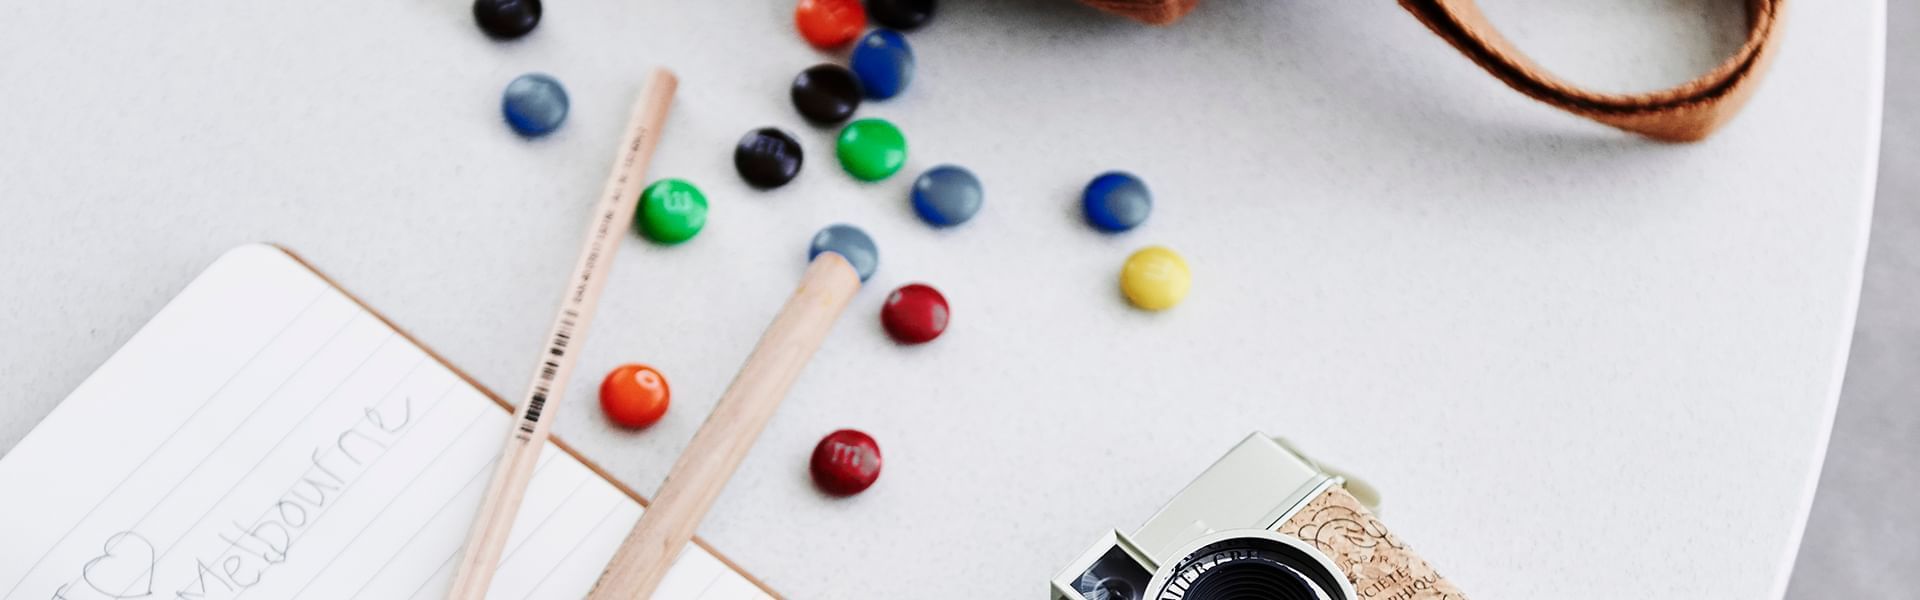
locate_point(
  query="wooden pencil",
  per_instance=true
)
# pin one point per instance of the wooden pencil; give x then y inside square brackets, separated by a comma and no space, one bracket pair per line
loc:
[723,440]
[533,421]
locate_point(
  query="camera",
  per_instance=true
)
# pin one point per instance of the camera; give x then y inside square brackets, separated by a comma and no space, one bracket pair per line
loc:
[1264,522]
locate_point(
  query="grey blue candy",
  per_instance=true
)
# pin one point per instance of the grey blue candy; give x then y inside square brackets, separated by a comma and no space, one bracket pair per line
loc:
[849,242]
[534,104]
[947,195]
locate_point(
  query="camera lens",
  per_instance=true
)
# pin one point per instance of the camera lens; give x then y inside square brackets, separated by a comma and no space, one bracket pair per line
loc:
[1114,588]
[1115,576]
[1249,568]
[1251,580]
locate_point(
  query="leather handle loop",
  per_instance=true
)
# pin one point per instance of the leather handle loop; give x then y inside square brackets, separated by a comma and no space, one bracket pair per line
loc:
[1685,113]
[1688,112]
[1151,12]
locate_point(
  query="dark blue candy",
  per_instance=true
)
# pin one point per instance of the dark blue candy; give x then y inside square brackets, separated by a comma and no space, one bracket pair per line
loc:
[849,242]
[534,104]
[946,195]
[884,63]
[1116,201]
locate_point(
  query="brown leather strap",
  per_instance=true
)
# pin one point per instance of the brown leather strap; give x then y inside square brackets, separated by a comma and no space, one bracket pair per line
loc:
[1688,112]
[1153,12]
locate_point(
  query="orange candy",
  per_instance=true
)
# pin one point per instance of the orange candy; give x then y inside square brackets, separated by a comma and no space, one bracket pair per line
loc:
[634,395]
[829,24]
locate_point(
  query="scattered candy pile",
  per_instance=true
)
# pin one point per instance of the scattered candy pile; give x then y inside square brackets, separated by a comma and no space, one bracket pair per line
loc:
[880,66]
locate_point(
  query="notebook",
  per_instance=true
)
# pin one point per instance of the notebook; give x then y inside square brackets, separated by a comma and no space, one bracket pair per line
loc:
[268,436]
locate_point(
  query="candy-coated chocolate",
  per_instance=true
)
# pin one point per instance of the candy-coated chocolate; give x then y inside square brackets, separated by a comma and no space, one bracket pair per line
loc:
[946,195]
[506,19]
[829,24]
[846,462]
[850,243]
[826,94]
[871,149]
[1116,201]
[1155,278]
[671,211]
[884,62]
[635,395]
[535,104]
[902,15]
[914,314]
[767,158]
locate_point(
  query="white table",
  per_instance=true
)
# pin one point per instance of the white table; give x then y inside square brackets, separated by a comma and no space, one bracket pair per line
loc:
[1579,365]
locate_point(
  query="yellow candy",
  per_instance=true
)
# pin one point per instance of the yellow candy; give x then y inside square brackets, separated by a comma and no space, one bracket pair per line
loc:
[1155,278]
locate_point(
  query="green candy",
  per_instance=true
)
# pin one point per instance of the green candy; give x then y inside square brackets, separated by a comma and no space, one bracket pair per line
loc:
[671,211]
[872,149]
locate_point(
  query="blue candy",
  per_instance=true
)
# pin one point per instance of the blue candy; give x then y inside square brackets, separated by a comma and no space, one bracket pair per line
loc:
[884,63]
[946,195]
[849,242]
[534,104]
[1116,201]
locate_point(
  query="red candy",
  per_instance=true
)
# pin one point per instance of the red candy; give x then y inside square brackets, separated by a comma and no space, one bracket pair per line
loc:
[635,395]
[829,24]
[846,462]
[915,314]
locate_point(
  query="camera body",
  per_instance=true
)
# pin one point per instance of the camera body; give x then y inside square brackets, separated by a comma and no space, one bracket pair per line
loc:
[1262,522]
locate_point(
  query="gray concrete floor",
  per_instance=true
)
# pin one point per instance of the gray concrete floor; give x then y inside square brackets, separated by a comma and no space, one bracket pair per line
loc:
[1863,540]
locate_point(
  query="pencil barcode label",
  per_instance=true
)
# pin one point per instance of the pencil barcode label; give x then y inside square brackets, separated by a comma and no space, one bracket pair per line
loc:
[549,372]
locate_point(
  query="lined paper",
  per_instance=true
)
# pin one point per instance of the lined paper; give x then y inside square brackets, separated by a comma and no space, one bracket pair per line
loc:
[266,437]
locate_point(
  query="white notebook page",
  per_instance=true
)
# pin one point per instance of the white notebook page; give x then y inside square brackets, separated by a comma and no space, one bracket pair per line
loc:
[265,437]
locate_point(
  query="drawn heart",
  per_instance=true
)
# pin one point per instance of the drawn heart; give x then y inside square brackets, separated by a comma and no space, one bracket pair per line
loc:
[126,558]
